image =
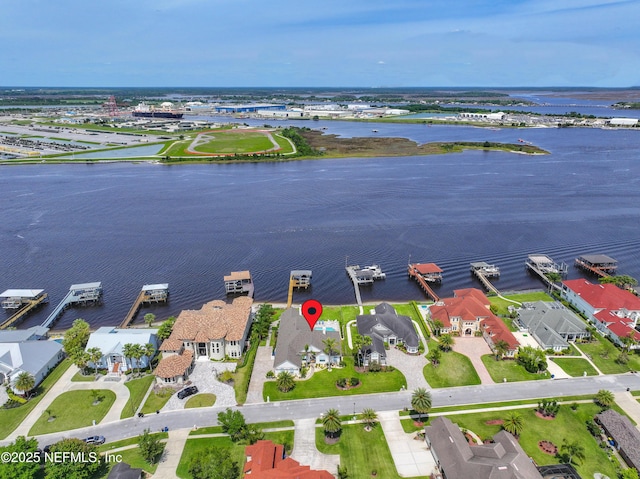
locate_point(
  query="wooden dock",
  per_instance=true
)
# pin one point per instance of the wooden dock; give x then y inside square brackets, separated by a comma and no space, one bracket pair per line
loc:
[83,294]
[150,293]
[423,273]
[299,278]
[239,282]
[483,271]
[351,271]
[26,309]
[542,265]
[598,264]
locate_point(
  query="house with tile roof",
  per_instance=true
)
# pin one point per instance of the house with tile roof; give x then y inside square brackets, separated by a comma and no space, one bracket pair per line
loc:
[216,331]
[111,341]
[613,311]
[468,314]
[266,460]
[386,327]
[551,324]
[456,459]
[298,345]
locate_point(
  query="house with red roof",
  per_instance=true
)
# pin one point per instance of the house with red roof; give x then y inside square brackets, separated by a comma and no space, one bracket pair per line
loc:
[468,314]
[266,460]
[613,311]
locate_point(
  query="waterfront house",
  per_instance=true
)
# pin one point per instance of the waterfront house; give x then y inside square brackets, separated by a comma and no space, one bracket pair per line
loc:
[111,341]
[35,357]
[551,324]
[613,311]
[35,333]
[503,458]
[386,327]
[468,314]
[216,331]
[298,345]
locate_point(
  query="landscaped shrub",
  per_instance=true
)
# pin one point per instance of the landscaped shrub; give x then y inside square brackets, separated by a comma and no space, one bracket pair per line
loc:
[341,383]
[353,382]
[374,367]
[271,374]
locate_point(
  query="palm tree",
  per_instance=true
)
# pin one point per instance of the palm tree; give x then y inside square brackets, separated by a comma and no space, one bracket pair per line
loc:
[138,352]
[573,449]
[434,356]
[604,398]
[306,354]
[421,402]
[513,424]
[149,351]
[446,342]
[25,382]
[149,318]
[128,353]
[437,327]
[95,355]
[285,382]
[500,348]
[81,358]
[329,348]
[369,417]
[331,423]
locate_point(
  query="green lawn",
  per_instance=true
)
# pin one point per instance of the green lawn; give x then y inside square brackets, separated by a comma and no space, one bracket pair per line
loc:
[73,409]
[235,141]
[200,400]
[156,400]
[242,375]
[603,353]
[510,369]
[567,425]
[79,377]
[11,418]
[323,384]
[285,145]
[261,425]
[193,446]
[128,442]
[135,460]
[343,314]
[137,390]
[503,306]
[360,461]
[455,369]
[575,366]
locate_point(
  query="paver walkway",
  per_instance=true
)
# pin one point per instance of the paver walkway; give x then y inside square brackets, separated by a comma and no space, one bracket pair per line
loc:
[474,348]
[172,454]
[204,377]
[409,365]
[263,363]
[305,451]
[410,456]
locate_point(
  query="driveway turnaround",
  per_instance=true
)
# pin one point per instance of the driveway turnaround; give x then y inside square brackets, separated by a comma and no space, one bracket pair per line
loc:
[204,377]
[410,456]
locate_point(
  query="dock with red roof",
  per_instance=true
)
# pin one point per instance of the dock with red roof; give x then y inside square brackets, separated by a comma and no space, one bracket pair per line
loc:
[424,273]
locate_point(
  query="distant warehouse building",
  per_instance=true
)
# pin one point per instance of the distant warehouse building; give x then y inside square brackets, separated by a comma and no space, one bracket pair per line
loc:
[623,122]
[251,108]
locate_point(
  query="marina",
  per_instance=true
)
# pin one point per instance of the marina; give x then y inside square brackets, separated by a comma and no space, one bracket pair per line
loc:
[483,271]
[598,264]
[150,293]
[79,294]
[22,300]
[425,273]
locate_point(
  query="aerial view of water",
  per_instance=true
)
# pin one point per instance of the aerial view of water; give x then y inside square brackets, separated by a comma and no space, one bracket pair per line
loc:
[188,225]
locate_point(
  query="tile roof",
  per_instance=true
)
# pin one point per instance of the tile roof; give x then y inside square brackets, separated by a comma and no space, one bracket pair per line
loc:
[427,268]
[170,344]
[175,365]
[268,462]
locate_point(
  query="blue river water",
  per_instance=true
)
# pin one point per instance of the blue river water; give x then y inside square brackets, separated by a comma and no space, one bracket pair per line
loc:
[188,225]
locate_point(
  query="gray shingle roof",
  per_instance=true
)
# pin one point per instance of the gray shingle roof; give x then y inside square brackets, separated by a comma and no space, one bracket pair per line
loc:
[622,431]
[386,321]
[550,321]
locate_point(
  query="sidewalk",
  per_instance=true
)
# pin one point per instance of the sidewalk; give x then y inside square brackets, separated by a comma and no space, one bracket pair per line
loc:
[410,456]
[172,454]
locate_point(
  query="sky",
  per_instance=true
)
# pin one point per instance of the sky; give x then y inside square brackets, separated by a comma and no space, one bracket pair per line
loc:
[332,43]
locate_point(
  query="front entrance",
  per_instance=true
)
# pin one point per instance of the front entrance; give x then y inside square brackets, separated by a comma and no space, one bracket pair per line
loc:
[202,349]
[467,332]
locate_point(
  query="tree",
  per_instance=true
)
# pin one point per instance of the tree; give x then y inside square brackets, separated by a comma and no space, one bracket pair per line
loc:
[554,277]
[25,382]
[437,327]
[150,447]
[81,358]
[20,469]
[500,348]
[76,337]
[342,472]
[164,331]
[572,449]
[95,355]
[605,398]
[95,394]
[533,359]
[285,382]
[446,342]
[214,463]
[233,423]
[513,423]
[421,402]
[370,418]
[622,281]
[148,351]
[330,345]
[149,318]
[631,473]
[128,352]
[434,356]
[548,407]
[332,423]
[628,341]
[73,469]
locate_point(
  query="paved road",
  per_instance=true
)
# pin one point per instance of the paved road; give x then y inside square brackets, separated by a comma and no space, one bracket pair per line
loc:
[312,408]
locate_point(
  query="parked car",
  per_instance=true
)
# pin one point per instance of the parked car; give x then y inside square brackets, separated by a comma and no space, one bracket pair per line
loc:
[190,391]
[97,440]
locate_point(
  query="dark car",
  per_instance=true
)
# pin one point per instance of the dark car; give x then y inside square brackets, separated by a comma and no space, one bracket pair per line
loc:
[97,440]
[190,391]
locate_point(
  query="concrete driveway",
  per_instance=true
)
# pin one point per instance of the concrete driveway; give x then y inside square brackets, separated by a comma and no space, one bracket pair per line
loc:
[305,451]
[474,348]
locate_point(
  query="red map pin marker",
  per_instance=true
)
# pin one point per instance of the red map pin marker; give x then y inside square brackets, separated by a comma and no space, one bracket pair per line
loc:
[311,310]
